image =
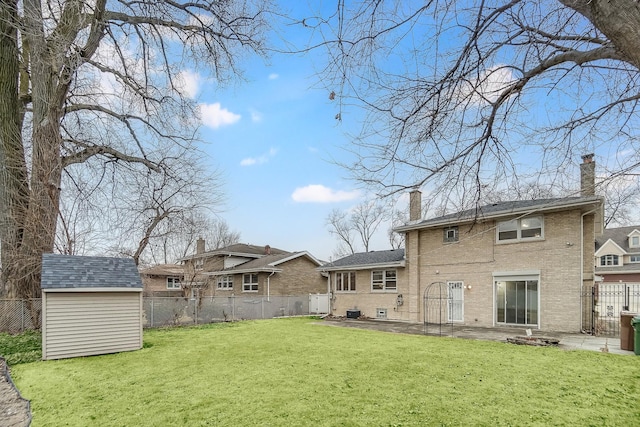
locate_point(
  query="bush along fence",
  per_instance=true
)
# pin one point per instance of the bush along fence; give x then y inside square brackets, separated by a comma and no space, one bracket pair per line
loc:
[21,315]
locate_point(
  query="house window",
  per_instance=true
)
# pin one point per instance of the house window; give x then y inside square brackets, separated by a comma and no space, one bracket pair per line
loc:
[450,234]
[173,283]
[250,282]
[529,228]
[634,258]
[609,260]
[198,264]
[346,282]
[634,241]
[225,282]
[383,280]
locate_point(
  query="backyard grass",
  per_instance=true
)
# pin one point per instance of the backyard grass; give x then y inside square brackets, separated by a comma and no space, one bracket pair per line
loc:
[295,372]
[21,348]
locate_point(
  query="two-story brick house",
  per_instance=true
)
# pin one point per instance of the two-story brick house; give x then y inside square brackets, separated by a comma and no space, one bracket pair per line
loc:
[519,263]
[242,269]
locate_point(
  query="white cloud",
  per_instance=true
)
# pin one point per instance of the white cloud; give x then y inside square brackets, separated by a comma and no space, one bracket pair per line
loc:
[250,161]
[188,83]
[273,76]
[256,116]
[490,85]
[317,193]
[214,116]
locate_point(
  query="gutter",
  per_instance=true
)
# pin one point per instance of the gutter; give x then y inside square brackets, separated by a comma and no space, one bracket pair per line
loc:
[498,214]
[582,261]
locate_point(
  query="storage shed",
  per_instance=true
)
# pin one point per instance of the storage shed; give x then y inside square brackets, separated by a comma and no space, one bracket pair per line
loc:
[90,306]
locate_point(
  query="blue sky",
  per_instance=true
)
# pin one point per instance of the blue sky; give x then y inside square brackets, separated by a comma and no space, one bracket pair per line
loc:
[274,138]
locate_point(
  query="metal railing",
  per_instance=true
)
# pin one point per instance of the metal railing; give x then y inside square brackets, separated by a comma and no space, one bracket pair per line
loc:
[602,306]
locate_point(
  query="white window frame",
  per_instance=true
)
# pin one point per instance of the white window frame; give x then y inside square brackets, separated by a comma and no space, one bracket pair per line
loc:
[517,226]
[384,279]
[450,234]
[250,285]
[174,283]
[348,285]
[634,258]
[635,244]
[604,260]
[225,283]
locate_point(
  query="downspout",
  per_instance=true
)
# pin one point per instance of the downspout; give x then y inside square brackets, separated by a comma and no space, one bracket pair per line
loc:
[582,263]
[269,284]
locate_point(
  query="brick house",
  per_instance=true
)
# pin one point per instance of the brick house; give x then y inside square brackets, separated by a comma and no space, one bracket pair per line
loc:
[242,269]
[163,280]
[520,263]
[368,280]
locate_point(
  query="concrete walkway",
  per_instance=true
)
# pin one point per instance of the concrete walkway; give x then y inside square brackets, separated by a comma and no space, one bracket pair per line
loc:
[567,341]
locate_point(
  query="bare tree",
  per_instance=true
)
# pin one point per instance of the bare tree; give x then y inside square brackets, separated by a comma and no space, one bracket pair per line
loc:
[398,218]
[96,82]
[340,226]
[462,97]
[355,227]
[154,205]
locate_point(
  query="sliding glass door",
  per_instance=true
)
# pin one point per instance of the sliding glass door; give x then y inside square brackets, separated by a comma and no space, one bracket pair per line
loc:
[517,302]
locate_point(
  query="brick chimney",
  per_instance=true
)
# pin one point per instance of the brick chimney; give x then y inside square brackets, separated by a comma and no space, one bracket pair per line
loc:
[415,205]
[588,176]
[267,250]
[200,246]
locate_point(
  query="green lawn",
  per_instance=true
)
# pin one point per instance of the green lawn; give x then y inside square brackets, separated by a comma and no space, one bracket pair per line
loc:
[291,372]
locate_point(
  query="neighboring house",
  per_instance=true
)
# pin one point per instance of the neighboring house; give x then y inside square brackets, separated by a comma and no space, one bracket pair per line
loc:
[521,263]
[253,270]
[617,256]
[163,280]
[368,280]
[617,261]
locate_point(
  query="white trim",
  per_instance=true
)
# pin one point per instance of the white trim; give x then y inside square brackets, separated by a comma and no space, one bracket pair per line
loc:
[604,247]
[87,289]
[514,276]
[394,264]
[296,255]
[384,289]
[518,273]
[518,230]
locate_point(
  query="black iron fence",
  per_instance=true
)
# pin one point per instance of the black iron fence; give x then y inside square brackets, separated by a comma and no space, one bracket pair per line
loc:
[602,304]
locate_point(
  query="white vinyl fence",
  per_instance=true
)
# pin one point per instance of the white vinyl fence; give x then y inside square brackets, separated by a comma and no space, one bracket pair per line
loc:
[21,315]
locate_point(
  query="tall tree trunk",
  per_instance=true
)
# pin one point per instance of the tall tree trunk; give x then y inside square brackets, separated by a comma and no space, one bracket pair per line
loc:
[29,219]
[14,190]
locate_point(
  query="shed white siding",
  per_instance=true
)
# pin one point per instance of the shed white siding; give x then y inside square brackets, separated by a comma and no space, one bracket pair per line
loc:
[90,323]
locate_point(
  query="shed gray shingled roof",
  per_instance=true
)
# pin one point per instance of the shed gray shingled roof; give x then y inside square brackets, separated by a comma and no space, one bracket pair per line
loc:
[368,258]
[70,271]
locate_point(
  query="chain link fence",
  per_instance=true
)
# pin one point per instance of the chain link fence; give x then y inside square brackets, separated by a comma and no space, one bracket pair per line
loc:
[20,315]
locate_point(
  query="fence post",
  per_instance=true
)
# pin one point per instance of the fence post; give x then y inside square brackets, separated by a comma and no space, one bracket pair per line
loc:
[151,312]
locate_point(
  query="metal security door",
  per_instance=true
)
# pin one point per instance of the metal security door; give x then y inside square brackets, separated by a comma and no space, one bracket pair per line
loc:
[456,301]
